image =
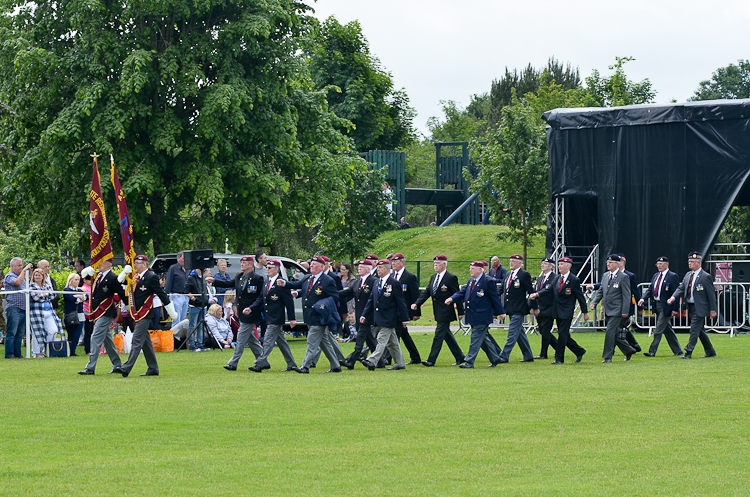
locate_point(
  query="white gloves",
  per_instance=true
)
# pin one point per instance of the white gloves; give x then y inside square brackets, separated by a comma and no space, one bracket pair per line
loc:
[172,313]
[124,274]
[88,271]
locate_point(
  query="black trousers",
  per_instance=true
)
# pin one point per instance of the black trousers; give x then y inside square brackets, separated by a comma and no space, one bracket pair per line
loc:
[565,340]
[364,335]
[545,329]
[443,334]
[403,333]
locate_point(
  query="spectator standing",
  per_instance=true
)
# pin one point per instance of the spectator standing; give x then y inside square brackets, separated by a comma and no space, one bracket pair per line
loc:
[44,321]
[73,310]
[15,307]
[198,297]
[175,286]
[3,325]
[88,325]
[44,266]
[78,264]
[221,275]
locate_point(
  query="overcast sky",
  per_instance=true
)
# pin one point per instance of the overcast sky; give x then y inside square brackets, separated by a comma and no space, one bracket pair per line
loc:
[448,50]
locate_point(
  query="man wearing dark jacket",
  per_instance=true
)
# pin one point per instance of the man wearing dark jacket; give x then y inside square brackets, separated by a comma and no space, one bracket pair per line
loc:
[516,288]
[663,285]
[277,301]
[442,284]
[249,290]
[197,294]
[565,292]
[146,285]
[360,292]
[387,307]
[410,288]
[102,311]
[545,314]
[314,287]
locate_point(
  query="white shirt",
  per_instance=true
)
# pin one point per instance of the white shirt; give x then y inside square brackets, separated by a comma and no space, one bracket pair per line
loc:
[696,273]
[397,274]
[439,277]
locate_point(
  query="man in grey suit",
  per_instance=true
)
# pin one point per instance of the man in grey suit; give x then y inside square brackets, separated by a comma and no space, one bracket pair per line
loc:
[698,290]
[614,293]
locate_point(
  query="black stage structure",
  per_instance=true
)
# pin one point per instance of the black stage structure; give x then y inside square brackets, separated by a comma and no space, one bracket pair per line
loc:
[645,180]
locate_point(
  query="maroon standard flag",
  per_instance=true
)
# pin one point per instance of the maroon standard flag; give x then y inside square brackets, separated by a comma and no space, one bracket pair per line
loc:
[101,248]
[126,229]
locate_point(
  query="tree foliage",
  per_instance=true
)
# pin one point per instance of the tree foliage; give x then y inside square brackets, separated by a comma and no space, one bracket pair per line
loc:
[365,217]
[357,88]
[615,90]
[207,107]
[513,173]
[727,82]
[526,81]
[458,125]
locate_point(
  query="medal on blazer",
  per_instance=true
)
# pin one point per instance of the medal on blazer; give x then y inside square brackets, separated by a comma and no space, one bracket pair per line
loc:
[616,285]
[547,285]
[274,297]
[480,293]
[516,283]
[142,288]
[366,289]
[403,288]
[387,290]
[567,292]
[443,288]
[252,289]
[318,291]
[105,289]
[698,288]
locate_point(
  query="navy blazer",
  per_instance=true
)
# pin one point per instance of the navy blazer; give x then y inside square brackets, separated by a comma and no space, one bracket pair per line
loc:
[546,300]
[387,306]
[249,295]
[634,290]
[276,300]
[327,311]
[668,287]
[565,299]
[324,287]
[482,303]
[448,286]
[360,295]
[410,287]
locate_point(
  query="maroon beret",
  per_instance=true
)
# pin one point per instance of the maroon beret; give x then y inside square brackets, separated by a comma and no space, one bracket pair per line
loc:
[371,257]
[517,257]
[384,262]
[141,258]
[247,258]
[440,258]
[273,263]
[398,257]
[565,259]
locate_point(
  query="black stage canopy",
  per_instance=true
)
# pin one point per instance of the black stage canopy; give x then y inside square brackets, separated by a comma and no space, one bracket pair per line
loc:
[649,180]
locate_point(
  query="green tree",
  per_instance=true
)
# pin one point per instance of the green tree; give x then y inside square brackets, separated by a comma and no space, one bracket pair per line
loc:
[357,88]
[526,81]
[207,107]
[616,90]
[458,124]
[513,173]
[365,216]
[727,82]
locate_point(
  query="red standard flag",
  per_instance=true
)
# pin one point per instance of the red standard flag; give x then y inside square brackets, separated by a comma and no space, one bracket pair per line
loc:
[126,229]
[101,248]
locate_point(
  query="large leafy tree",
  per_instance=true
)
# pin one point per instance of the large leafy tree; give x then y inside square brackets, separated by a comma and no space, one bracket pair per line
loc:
[207,107]
[616,89]
[730,82]
[366,216]
[513,173]
[357,88]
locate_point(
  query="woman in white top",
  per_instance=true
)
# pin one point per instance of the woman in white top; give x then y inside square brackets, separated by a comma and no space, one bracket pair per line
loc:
[219,327]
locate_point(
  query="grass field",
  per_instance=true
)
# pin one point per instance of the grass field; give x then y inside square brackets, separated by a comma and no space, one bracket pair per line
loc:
[652,426]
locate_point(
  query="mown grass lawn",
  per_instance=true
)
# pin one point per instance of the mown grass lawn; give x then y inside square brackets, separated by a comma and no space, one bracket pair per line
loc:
[661,426]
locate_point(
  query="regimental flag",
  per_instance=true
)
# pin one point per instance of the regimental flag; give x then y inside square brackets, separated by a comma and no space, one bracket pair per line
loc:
[126,229]
[101,248]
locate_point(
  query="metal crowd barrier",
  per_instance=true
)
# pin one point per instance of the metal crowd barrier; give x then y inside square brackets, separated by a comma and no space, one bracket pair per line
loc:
[731,303]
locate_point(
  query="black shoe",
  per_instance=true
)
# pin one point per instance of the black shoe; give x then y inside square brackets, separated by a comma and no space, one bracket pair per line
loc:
[628,356]
[527,360]
[580,357]
[149,373]
[458,362]
[313,366]
[708,355]
[230,368]
[412,363]
[124,373]
[678,354]
[256,369]
[649,354]
[115,369]
[606,361]
[686,356]
[347,365]
[501,361]
[428,364]
[556,363]
[267,366]
[291,368]
[396,368]
[334,370]
[302,370]
[466,365]
[541,357]
[638,348]
[368,365]
[86,372]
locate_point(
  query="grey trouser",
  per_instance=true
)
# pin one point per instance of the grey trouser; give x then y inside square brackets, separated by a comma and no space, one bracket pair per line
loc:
[612,337]
[142,340]
[698,331]
[319,338]
[664,327]
[245,338]
[387,338]
[336,348]
[102,335]
[275,336]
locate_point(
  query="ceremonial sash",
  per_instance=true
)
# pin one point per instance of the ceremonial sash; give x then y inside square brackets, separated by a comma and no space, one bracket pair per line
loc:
[101,308]
[144,310]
